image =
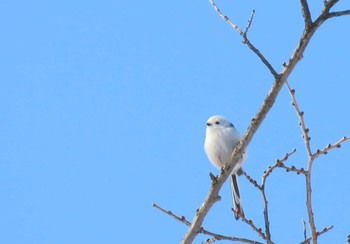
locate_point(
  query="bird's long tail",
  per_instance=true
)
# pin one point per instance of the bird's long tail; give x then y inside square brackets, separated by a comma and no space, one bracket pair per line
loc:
[237,206]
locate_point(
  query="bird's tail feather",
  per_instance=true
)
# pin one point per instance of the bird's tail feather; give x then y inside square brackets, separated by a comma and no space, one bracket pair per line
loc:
[237,206]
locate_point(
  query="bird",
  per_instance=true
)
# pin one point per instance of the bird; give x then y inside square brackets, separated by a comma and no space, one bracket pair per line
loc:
[220,140]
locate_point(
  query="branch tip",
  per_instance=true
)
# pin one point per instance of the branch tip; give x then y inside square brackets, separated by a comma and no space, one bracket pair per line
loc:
[213,178]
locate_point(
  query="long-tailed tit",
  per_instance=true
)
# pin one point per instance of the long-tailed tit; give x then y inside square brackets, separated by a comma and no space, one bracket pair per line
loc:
[221,138]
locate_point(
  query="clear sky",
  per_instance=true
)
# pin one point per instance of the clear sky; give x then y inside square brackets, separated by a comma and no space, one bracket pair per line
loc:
[103,109]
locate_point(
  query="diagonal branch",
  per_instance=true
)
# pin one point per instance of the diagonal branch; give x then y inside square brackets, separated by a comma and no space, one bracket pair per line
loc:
[306,13]
[248,25]
[251,180]
[168,212]
[300,114]
[279,163]
[318,233]
[338,13]
[325,14]
[328,5]
[256,229]
[329,147]
[203,231]
[245,39]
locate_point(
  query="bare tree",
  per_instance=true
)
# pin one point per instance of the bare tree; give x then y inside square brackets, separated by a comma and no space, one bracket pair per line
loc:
[280,78]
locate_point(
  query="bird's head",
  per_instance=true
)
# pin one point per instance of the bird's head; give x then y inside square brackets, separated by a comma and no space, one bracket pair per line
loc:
[217,122]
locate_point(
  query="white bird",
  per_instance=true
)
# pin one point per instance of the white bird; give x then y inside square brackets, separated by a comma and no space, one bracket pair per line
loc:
[221,138]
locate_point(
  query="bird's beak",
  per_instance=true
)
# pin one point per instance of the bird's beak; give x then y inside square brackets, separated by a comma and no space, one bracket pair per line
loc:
[208,124]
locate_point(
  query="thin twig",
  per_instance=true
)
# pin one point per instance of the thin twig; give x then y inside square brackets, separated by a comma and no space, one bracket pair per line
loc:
[338,13]
[309,167]
[251,180]
[245,39]
[329,147]
[310,212]
[202,230]
[304,228]
[267,235]
[248,25]
[300,114]
[226,18]
[261,188]
[280,163]
[256,229]
[266,216]
[181,219]
[293,169]
[318,233]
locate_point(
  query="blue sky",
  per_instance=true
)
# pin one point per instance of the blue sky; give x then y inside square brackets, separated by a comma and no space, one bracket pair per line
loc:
[104,105]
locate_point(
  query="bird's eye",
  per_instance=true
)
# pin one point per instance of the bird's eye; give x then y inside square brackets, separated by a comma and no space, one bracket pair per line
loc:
[217,122]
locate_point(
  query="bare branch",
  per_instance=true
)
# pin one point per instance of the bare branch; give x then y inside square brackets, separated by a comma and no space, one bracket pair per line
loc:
[306,13]
[256,229]
[338,13]
[262,58]
[182,219]
[318,233]
[266,216]
[328,5]
[312,157]
[309,167]
[248,25]
[309,203]
[325,14]
[261,188]
[226,18]
[267,234]
[294,169]
[304,228]
[300,114]
[203,231]
[329,147]
[245,39]
[251,180]
[279,163]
